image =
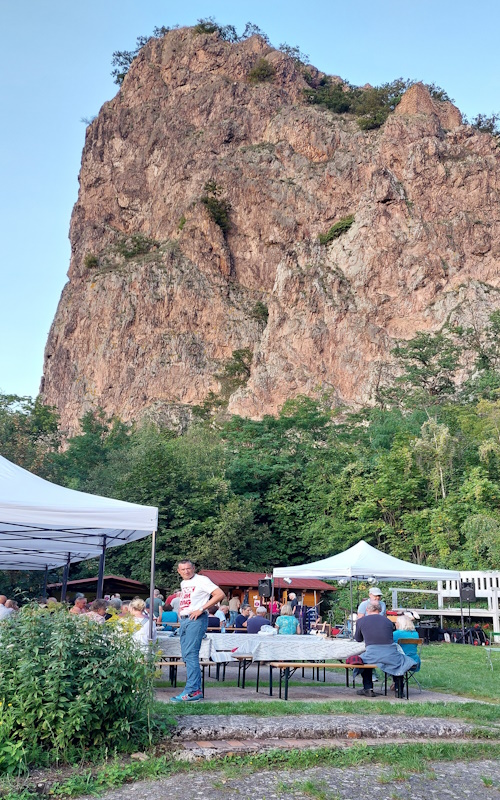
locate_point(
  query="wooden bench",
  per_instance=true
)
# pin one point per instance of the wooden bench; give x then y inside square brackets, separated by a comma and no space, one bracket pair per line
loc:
[174,664]
[287,669]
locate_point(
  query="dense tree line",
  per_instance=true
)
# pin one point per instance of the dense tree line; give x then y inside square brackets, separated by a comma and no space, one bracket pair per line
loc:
[418,475]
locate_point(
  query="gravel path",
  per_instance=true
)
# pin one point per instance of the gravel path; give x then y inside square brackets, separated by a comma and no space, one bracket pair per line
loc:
[439,781]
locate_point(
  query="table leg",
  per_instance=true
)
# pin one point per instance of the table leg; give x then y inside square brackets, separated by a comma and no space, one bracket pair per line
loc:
[270,680]
[258,676]
[287,678]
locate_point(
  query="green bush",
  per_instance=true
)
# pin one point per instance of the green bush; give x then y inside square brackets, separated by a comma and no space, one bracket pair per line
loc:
[260,312]
[90,261]
[218,207]
[337,230]
[137,244]
[262,72]
[68,685]
[371,106]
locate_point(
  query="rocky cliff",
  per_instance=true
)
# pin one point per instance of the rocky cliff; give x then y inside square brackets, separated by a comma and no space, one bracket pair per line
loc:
[160,295]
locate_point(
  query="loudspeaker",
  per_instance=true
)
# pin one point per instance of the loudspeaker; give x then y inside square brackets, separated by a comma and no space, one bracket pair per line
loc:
[468,592]
[264,587]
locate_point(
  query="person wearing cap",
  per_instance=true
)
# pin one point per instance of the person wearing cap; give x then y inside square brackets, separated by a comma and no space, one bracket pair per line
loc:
[254,624]
[375,596]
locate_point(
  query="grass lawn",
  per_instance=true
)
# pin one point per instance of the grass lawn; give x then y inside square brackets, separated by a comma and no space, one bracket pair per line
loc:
[460,669]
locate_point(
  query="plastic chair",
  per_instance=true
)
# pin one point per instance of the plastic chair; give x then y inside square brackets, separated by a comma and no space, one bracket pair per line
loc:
[411,674]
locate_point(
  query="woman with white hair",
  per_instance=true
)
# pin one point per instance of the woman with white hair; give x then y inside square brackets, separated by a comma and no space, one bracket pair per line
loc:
[140,636]
[405,629]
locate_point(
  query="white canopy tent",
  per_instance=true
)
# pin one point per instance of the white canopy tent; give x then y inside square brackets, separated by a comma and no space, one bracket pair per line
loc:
[362,561]
[44,526]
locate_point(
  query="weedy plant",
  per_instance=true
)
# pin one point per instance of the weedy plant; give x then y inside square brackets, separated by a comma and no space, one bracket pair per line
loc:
[67,686]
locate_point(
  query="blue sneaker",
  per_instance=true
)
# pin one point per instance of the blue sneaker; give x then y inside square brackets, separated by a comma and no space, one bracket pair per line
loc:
[191,697]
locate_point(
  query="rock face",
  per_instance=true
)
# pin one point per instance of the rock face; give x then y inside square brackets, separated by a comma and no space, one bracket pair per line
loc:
[159,296]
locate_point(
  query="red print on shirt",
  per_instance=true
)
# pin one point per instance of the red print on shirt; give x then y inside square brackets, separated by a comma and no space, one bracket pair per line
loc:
[186,598]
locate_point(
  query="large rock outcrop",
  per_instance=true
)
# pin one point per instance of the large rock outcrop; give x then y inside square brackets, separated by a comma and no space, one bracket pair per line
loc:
[159,296]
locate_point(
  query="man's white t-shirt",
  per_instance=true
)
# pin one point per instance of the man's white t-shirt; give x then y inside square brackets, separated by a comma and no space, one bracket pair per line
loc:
[195,593]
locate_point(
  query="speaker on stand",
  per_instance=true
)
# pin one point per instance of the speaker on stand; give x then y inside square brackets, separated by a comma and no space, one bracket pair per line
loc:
[468,594]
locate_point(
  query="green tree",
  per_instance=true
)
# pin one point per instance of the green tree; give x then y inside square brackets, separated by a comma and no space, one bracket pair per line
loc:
[29,431]
[434,452]
[429,362]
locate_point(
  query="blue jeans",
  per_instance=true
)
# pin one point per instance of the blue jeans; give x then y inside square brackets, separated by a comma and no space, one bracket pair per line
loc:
[192,632]
[232,617]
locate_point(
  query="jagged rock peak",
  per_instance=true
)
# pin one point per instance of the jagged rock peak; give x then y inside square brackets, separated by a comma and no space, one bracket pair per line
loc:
[417,100]
[231,238]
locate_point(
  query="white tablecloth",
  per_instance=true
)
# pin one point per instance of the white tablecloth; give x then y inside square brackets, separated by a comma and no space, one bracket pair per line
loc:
[220,647]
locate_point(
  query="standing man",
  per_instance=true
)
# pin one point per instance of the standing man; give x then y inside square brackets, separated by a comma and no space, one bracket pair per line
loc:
[375,598]
[234,607]
[197,594]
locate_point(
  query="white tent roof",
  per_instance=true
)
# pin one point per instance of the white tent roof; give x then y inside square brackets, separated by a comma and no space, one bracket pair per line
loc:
[364,561]
[42,523]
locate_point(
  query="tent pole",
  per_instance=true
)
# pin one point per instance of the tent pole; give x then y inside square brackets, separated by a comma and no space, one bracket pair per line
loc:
[100,577]
[352,611]
[45,577]
[65,579]
[152,585]
[461,610]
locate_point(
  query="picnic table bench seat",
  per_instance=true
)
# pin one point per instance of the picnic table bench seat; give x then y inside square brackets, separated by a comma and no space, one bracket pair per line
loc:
[287,669]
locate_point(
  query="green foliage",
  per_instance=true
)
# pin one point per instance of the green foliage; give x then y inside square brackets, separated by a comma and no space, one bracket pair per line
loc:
[29,431]
[294,52]
[90,261]
[371,105]
[262,72]
[182,222]
[218,207]
[68,684]
[486,124]
[235,372]
[260,312]
[337,230]
[429,362]
[134,245]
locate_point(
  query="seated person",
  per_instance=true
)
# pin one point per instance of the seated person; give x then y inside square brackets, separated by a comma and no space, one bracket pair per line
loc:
[375,630]
[168,616]
[405,629]
[98,610]
[254,624]
[221,613]
[374,596]
[213,621]
[80,606]
[240,623]
[287,623]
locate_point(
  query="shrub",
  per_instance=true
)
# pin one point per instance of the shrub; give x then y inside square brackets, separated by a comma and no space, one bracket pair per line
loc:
[90,261]
[372,105]
[486,124]
[219,208]
[337,230]
[262,72]
[68,684]
[294,52]
[260,312]
[137,244]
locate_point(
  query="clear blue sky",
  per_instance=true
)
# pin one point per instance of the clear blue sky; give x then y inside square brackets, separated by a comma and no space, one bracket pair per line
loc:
[56,58]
